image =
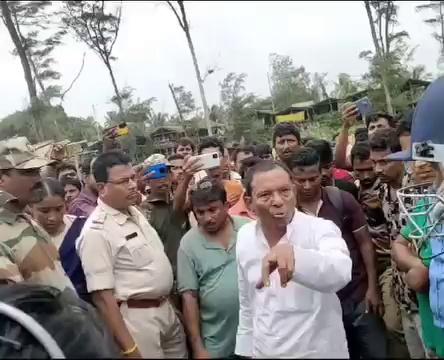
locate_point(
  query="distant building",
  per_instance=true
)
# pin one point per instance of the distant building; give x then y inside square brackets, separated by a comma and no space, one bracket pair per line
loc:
[164,139]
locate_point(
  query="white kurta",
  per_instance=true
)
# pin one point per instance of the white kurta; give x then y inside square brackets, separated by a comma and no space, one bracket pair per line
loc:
[303,320]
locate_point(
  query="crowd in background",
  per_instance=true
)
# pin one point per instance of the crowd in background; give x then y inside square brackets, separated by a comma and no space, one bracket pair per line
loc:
[168,262]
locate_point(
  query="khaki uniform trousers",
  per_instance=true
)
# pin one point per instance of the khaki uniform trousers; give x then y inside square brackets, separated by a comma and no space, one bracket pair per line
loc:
[157,331]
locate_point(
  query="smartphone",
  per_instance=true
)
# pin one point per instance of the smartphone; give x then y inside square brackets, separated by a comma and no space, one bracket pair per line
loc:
[364,106]
[209,161]
[160,171]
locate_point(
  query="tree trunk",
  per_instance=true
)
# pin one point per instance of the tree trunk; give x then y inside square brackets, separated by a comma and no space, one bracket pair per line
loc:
[37,79]
[200,82]
[372,27]
[379,57]
[116,89]
[178,108]
[186,29]
[25,65]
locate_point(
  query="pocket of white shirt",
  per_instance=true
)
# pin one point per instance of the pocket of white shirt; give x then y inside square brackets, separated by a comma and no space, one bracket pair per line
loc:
[294,298]
[139,251]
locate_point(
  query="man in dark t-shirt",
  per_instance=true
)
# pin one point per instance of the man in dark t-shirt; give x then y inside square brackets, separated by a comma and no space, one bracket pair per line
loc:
[360,299]
[325,154]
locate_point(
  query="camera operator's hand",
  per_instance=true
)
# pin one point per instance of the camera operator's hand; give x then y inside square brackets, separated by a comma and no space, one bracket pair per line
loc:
[349,115]
[109,140]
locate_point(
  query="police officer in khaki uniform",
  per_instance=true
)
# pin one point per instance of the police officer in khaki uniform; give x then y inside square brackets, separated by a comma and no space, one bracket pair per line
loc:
[126,268]
[26,251]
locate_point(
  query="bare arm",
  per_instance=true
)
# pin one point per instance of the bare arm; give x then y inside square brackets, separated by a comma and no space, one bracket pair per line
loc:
[341,161]
[109,309]
[403,256]
[348,119]
[368,254]
[190,309]
[190,167]
[180,195]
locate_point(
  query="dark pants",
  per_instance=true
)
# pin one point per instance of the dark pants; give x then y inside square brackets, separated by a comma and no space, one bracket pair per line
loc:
[365,333]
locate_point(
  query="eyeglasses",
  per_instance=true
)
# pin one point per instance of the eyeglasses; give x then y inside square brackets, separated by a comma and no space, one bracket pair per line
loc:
[123,181]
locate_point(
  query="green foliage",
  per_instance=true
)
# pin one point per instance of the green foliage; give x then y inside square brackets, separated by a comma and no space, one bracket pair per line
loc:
[185,101]
[56,123]
[326,126]
[39,32]
[388,64]
[289,84]
[133,111]
[237,106]
[345,86]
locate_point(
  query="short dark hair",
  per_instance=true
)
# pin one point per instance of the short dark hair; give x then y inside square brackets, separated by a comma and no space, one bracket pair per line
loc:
[405,125]
[361,134]
[360,151]
[385,139]
[260,167]
[247,164]
[286,128]
[175,157]
[207,191]
[85,167]
[323,148]
[307,156]
[210,142]
[185,142]
[47,187]
[375,116]
[263,149]
[106,161]
[66,180]
[244,149]
[65,166]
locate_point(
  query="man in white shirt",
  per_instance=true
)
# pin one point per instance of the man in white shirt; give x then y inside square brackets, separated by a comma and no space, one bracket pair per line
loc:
[293,312]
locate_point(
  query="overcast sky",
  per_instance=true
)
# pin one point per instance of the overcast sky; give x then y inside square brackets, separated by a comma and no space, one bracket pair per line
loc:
[234,36]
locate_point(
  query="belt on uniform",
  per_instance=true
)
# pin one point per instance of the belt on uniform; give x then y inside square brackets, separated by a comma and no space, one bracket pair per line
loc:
[143,303]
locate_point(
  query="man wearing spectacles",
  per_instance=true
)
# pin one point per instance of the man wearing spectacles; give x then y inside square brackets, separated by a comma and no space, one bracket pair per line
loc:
[126,268]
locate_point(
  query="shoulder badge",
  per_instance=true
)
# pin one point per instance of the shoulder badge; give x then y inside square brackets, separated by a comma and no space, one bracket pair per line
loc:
[98,220]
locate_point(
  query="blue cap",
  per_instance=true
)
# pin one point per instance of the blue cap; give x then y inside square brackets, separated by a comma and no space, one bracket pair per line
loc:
[427,124]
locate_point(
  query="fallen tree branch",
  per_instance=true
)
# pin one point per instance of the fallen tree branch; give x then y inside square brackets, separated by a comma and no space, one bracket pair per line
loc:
[62,96]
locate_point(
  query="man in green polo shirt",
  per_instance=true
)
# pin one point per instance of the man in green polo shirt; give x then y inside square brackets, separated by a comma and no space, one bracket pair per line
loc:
[207,274]
[417,276]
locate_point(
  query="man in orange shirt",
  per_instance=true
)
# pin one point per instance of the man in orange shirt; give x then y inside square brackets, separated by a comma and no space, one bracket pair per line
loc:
[240,208]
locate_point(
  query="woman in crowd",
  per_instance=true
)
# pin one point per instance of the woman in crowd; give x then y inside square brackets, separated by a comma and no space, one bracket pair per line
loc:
[48,209]
[72,188]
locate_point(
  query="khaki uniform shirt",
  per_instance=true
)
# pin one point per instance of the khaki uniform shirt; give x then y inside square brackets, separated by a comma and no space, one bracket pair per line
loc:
[26,250]
[123,252]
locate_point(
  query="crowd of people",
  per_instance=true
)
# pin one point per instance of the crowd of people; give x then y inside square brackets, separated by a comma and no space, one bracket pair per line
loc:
[292,250]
